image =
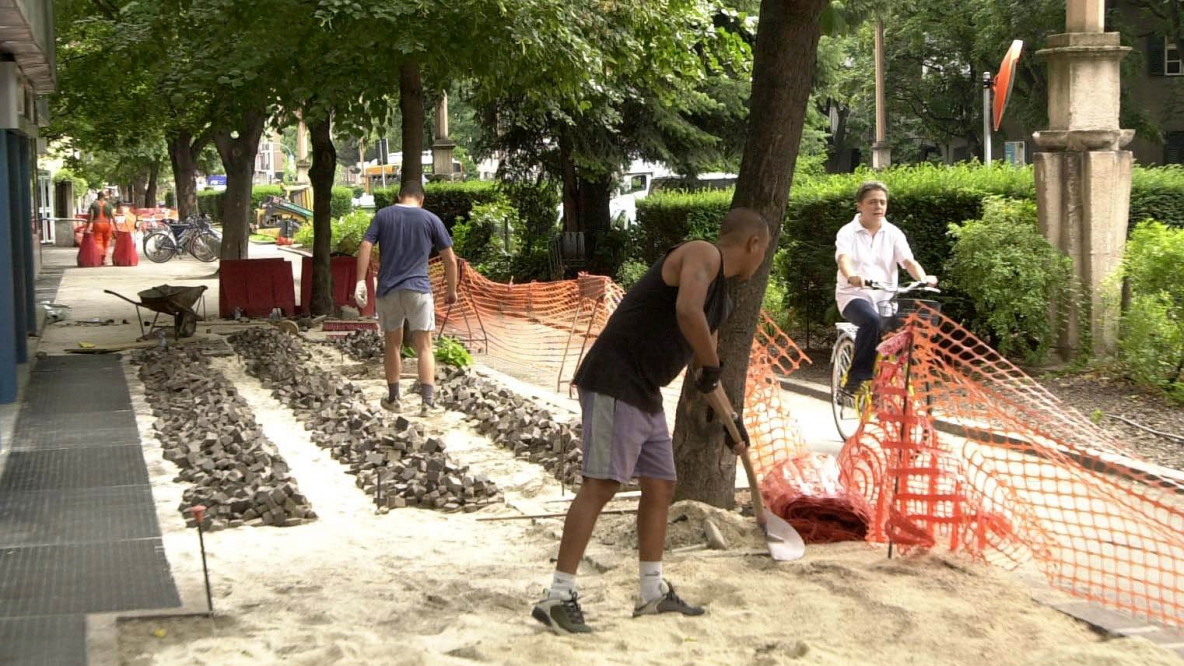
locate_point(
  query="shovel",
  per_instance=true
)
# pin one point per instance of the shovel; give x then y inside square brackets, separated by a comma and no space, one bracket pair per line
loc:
[784,542]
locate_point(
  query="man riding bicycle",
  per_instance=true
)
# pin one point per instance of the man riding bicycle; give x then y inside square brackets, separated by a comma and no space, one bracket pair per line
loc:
[869,249]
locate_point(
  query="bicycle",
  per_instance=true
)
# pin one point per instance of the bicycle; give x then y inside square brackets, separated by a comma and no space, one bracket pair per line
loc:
[848,409]
[194,235]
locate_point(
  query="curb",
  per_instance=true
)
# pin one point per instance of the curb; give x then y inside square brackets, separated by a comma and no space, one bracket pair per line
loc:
[1126,468]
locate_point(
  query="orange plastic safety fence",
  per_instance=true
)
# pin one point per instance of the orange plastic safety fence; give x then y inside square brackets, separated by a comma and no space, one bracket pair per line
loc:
[549,326]
[962,450]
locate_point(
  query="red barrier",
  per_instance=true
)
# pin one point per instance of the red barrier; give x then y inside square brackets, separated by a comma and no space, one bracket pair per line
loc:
[345,276]
[255,287]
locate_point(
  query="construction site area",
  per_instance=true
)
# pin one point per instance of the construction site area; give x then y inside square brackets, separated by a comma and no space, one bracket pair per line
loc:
[972,518]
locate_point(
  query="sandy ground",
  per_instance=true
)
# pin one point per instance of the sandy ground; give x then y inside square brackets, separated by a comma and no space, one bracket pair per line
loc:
[420,587]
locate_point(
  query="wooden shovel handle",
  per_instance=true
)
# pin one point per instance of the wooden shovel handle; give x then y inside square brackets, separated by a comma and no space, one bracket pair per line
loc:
[719,402]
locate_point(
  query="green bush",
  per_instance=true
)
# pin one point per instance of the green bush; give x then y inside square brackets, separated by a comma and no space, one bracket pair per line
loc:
[1152,341]
[538,210]
[345,233]
[449,201]
[170,199]
[259,194]
[1011,274]
[1158,194]
[358,190]
[481,239]
[210,203]
[667,218]
[80,184]
[630,272]
[342,202]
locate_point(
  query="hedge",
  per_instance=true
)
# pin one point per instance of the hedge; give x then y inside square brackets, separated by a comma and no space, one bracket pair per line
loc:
[210,201]
[342,202]
[1158,194]
[925,200]
[450,201]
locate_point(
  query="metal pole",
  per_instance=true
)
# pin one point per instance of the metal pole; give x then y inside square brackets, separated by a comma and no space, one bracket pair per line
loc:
[199,515]
[988,87]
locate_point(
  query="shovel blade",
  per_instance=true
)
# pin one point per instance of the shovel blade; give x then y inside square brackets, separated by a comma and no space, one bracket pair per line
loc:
[784,542]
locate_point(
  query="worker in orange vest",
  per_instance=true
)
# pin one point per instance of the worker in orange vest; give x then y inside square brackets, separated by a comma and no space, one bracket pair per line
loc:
[100,223]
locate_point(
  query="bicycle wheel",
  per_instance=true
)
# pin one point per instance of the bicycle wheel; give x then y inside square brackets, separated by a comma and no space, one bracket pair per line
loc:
[843,405]
[159,246]
[205,247]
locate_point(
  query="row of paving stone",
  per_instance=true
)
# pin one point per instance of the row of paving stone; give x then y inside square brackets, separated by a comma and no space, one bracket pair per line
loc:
[512,422]
[393,458]
[209,431]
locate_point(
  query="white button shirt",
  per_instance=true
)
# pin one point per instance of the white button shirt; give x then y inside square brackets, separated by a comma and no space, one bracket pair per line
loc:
[874,257]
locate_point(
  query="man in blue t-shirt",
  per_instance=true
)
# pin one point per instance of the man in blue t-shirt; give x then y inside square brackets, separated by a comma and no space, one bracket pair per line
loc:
[407,234]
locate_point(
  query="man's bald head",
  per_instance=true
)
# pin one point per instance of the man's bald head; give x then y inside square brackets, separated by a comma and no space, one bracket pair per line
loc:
[741,224]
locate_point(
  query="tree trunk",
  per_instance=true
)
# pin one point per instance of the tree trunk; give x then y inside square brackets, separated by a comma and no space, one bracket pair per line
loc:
[411,106]
[183,150]
[571,208]
[783,69]
[324,164]
[153,178]
[238,158]
[594,196]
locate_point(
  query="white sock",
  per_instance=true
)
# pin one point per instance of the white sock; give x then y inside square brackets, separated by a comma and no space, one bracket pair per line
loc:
[651,581]
[563,586]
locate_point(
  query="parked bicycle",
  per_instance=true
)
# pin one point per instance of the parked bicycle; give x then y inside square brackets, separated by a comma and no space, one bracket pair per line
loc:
[195,235]
[848,408]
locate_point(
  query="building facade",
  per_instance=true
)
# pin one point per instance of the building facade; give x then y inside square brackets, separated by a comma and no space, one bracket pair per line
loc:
[1157,88]
[27,74]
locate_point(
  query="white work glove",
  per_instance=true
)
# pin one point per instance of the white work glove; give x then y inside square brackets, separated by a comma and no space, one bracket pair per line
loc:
[360,296]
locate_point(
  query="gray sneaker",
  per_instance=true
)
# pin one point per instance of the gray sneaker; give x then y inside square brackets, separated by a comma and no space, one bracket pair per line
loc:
[391,405]
[426,409]
[563,616]
[669,602]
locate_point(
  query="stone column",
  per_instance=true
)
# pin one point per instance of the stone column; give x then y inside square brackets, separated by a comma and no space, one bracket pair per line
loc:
[881,149]
[302,162]
[1083,177]
[442,147]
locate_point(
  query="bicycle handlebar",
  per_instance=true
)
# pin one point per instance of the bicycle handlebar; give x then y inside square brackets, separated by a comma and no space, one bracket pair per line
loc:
[901,289]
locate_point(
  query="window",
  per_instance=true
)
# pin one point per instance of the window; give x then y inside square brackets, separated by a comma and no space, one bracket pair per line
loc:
[1173,148]
[1172,65]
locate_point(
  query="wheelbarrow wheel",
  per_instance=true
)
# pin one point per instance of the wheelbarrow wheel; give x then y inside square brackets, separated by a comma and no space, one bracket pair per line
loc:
[185,325]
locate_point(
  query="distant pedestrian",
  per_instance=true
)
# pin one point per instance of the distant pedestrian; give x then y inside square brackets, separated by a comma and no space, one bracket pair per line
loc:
[100,222]
[406,235]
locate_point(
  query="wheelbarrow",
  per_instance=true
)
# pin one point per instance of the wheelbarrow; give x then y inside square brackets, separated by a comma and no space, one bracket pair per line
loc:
[175,301]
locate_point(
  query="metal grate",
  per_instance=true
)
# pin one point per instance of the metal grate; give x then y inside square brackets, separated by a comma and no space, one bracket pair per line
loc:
[74,468]
[58,517]
[50,640]
[87,578]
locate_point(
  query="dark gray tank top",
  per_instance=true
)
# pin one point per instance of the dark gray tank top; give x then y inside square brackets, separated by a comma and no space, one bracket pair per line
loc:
[642,348]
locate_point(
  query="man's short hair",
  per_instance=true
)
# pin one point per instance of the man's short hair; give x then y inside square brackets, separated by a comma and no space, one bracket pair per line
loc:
[102,195]
[742,224]
[870,186]
[411,190]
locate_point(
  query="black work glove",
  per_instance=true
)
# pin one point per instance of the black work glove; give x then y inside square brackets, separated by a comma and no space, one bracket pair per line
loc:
[739,423]
[708,378]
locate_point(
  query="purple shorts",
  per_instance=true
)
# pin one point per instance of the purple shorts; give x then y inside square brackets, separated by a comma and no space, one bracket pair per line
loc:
[622,442]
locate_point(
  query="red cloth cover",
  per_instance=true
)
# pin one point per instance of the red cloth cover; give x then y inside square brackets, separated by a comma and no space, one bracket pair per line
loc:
[88,252]
[125,250]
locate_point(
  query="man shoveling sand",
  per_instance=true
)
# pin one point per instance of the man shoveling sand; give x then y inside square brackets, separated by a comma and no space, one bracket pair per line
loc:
[666,320]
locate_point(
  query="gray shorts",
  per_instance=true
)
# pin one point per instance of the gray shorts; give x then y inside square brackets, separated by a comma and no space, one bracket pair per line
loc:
[399,305]
[622,442]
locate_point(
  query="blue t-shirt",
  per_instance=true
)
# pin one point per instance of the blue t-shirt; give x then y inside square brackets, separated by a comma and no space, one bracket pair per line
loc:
[406,236]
